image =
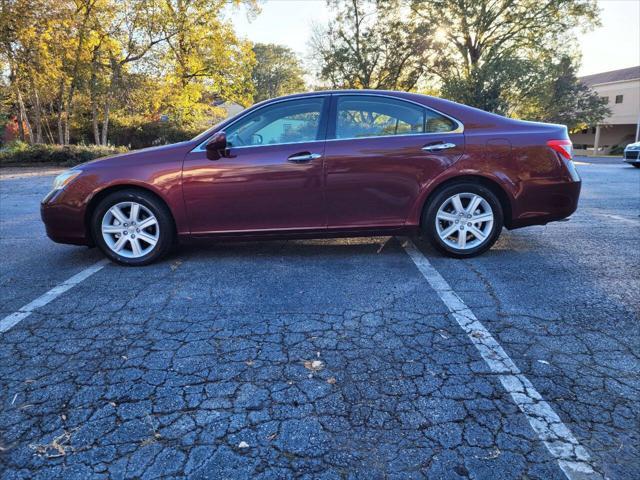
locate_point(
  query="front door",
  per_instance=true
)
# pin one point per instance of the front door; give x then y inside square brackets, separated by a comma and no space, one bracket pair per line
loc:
[379,157]
[272,177]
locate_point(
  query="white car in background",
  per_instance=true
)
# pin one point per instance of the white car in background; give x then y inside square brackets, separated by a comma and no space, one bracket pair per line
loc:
[632,154]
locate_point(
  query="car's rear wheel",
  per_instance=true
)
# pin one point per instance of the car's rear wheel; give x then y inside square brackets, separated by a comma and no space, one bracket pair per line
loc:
[463,220]
[637,165]
[132,227]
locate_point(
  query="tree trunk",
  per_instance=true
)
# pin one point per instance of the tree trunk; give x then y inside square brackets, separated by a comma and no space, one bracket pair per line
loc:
[105,121]
[24,119]
[38,115]
[82,34]
[94,96]
[66,125]
[115,72]
[60,112]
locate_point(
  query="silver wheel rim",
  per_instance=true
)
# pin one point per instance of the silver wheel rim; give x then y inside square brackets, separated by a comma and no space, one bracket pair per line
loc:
[464,221]
[130,229]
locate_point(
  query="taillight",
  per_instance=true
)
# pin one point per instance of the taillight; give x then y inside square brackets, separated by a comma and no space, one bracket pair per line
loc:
[563,147]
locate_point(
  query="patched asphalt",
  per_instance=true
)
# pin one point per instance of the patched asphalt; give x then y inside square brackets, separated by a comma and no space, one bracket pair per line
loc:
[320,359]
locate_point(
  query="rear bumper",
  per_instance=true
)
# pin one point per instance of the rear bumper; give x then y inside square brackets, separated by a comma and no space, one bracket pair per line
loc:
[544,202]
[64,222]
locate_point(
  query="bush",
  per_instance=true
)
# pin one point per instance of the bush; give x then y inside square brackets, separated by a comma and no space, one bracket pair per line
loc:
[140,134]
[20,153]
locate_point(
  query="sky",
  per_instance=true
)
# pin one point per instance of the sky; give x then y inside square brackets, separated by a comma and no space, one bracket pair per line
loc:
[614,45]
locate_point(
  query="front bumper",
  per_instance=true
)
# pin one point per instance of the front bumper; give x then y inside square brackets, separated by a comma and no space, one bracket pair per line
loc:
[631,156]
[63,220]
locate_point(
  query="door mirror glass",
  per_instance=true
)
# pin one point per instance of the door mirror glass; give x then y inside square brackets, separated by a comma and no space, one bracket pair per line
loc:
[217,146]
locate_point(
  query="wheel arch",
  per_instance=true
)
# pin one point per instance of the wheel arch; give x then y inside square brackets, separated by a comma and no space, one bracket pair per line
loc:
[493,185]
[100,195]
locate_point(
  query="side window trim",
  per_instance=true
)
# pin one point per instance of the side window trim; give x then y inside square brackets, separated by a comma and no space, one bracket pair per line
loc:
[331,131]
[322,124]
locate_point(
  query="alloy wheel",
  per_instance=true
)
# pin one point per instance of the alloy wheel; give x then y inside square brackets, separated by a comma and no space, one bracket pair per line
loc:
[464,221]
[130,229]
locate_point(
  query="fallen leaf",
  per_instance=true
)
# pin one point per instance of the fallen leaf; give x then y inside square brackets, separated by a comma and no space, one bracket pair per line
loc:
[495,453]
[57,448]
[175,265]
[544,362]
[331,380]
[272,436]
[243,445]
[250,363]
[314,365]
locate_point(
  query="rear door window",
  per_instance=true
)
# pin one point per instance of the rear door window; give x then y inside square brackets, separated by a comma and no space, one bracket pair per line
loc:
[360,116]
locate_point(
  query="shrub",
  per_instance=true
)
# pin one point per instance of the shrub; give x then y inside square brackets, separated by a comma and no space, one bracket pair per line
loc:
[20,153]
[140,134]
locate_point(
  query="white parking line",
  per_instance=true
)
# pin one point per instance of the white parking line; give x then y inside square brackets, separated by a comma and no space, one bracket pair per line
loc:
[10,320]
[572,458]
[631,221]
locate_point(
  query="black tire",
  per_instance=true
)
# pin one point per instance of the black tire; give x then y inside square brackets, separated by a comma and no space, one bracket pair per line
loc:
[156,207]
[428,225]
[637,165]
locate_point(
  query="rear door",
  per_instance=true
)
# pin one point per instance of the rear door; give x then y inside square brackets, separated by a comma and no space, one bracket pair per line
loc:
[380,153]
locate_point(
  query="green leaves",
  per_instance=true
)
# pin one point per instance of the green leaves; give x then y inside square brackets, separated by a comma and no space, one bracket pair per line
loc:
[277,72]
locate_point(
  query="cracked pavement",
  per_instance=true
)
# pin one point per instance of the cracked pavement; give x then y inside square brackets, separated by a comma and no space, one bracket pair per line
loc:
[321,359]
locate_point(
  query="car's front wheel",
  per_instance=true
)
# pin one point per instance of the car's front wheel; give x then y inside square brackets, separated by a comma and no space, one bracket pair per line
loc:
[463,220]
[132,227]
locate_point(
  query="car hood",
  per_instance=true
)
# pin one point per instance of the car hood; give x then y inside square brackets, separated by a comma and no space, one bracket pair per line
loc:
[160,152]
[634,146]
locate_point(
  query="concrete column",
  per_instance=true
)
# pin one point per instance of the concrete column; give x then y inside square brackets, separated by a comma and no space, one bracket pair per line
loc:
[596,142]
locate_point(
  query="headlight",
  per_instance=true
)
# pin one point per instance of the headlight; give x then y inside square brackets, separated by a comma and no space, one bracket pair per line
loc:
[64,179]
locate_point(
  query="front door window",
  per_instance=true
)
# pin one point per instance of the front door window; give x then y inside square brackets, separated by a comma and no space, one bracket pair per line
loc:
[291,121]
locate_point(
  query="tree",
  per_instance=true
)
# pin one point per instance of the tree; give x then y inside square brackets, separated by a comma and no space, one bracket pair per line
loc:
[493,52]
[277,72]
[373,44]
[206,60]
[88,65]
[562,98]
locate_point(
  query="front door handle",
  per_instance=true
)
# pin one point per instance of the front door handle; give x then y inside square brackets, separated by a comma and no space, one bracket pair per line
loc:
[303,157]
[438,146]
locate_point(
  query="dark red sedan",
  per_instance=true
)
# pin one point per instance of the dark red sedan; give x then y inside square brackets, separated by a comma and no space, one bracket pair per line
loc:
[341,163]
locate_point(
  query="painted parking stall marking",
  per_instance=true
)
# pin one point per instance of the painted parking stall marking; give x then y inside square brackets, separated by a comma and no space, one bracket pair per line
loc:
[572,458]
[16,317]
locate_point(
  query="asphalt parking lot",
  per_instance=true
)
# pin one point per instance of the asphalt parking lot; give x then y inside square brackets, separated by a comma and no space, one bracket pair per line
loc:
[327,359]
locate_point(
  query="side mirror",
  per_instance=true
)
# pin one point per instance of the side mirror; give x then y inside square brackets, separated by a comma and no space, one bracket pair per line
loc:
[217,146]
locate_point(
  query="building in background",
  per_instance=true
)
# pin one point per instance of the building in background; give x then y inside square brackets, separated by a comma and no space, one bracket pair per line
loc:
[621,89]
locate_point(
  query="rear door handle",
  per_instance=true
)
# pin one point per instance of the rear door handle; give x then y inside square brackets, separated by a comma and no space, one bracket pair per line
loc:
[303,157]
[438,146]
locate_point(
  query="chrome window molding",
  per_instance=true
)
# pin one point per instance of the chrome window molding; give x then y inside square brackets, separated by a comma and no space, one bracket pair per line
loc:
[459,125]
